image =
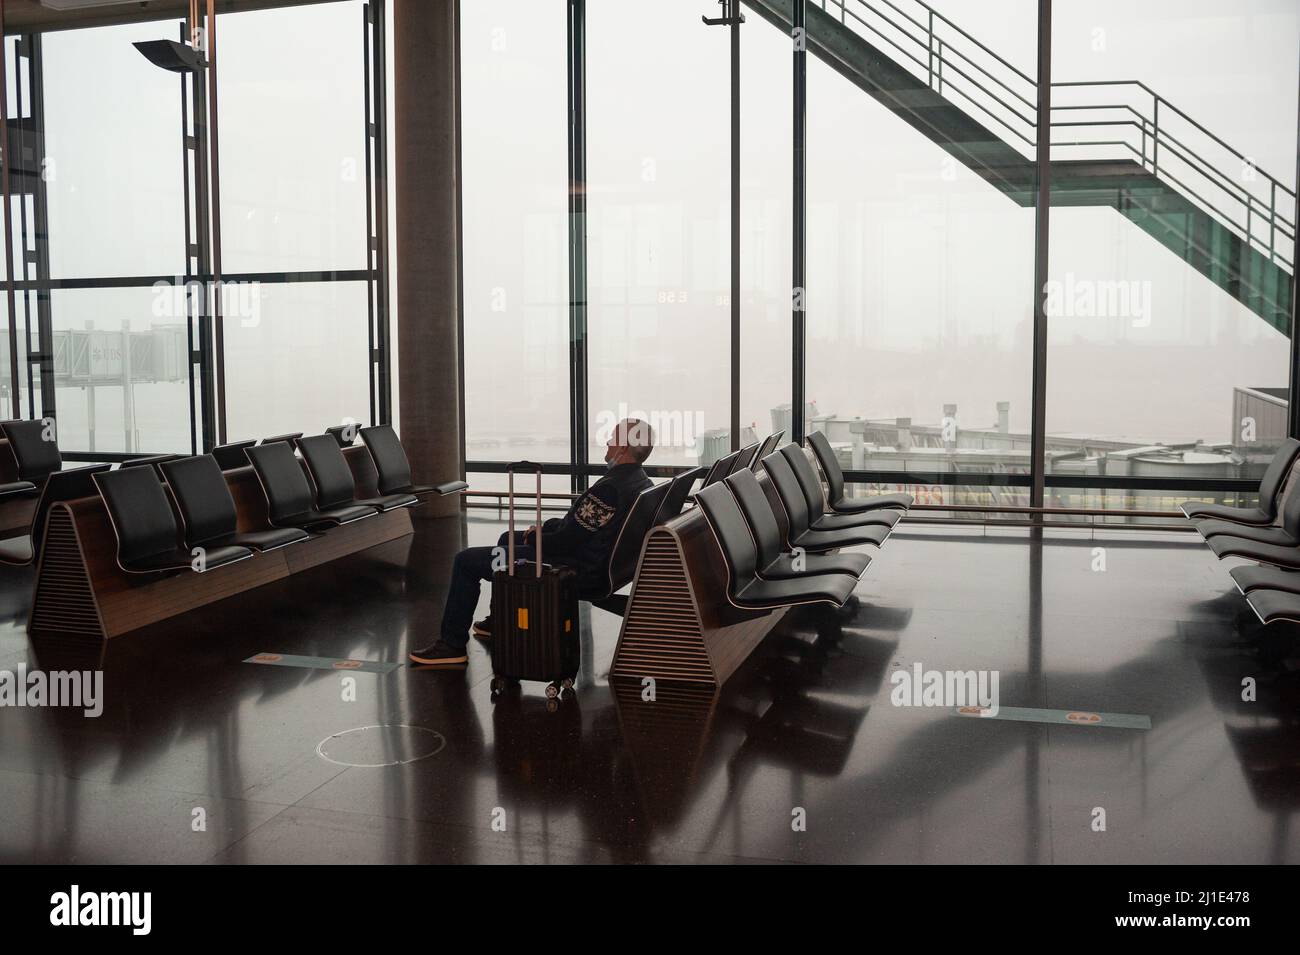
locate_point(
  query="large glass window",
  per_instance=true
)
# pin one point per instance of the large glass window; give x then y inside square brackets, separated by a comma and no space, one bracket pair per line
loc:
[113,153]
[121,367]
[114,195]
[297,360]
[293,196]
[293,170]
[516,230]
[920,246]
[1167,355]
[658,204]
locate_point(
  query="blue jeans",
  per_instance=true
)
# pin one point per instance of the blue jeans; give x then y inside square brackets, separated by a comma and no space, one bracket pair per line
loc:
[471,566]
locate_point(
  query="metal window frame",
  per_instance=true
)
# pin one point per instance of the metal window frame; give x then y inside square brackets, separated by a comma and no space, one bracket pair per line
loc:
[208,413]
[34,257]
[1100,482]
[576,29]
[1042,234]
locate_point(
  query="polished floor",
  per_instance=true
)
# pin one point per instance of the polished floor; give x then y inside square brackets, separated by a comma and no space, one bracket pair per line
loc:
[199,757]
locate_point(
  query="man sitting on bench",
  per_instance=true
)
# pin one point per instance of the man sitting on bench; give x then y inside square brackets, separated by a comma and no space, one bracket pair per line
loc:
[582,539]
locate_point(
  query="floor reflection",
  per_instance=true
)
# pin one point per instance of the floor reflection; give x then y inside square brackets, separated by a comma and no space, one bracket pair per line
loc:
[630,773]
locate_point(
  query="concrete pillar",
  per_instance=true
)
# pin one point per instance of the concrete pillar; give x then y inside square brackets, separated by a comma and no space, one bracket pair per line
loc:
[857,434]
[427,254]
[904,426]
[948,427]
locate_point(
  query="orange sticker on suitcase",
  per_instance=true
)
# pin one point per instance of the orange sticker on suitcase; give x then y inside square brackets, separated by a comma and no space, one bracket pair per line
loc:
[568,625]
[523,618]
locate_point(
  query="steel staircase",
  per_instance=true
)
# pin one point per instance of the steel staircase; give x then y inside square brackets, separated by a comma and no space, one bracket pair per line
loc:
[1128,147]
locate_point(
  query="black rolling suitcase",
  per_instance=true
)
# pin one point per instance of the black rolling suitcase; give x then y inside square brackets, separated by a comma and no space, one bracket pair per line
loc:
[534,613]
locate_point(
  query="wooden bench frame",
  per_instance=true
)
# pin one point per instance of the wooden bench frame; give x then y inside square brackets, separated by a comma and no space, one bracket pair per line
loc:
[680,626]
[80,589]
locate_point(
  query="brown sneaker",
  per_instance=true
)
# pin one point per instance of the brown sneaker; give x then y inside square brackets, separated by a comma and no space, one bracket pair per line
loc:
[440,654]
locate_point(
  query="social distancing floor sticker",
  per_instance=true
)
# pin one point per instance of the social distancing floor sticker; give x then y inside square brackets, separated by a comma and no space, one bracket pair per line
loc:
[1020,714]
[322,663]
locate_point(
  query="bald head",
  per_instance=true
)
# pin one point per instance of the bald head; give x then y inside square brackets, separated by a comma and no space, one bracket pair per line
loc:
[630,443]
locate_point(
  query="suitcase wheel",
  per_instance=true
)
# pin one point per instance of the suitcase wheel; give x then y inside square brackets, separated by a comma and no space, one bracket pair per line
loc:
[559,689]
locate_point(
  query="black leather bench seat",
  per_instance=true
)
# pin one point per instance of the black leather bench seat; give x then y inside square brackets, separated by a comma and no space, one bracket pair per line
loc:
[1255,577]
[840,502]
[1268,534]
[1274,606]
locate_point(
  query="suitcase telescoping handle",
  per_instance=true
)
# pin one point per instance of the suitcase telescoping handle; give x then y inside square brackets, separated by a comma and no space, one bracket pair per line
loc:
[537,544]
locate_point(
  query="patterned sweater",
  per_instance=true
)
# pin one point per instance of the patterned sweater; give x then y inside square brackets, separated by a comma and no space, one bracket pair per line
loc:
[584,538]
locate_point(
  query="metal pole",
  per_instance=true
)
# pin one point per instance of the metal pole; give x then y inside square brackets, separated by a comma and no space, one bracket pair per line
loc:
[44,357]
[799,217]
[1038,434]
[578,242]
[214,174]
[128,392]
[1043,168]
[191,244]
[31,149]
[460,237]
[14,399]
[378,327]
[368,137]
[1155,134]
[736,20]
[203,251]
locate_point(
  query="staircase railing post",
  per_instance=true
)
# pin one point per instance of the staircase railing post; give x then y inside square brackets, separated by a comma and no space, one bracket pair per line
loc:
[1155,136]
[929,46]
[1272,216]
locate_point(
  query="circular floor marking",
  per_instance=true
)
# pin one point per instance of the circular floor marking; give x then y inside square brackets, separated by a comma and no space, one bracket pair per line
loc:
[386,744]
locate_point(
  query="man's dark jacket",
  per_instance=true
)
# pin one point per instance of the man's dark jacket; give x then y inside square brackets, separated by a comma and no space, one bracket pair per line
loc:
[584,538]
